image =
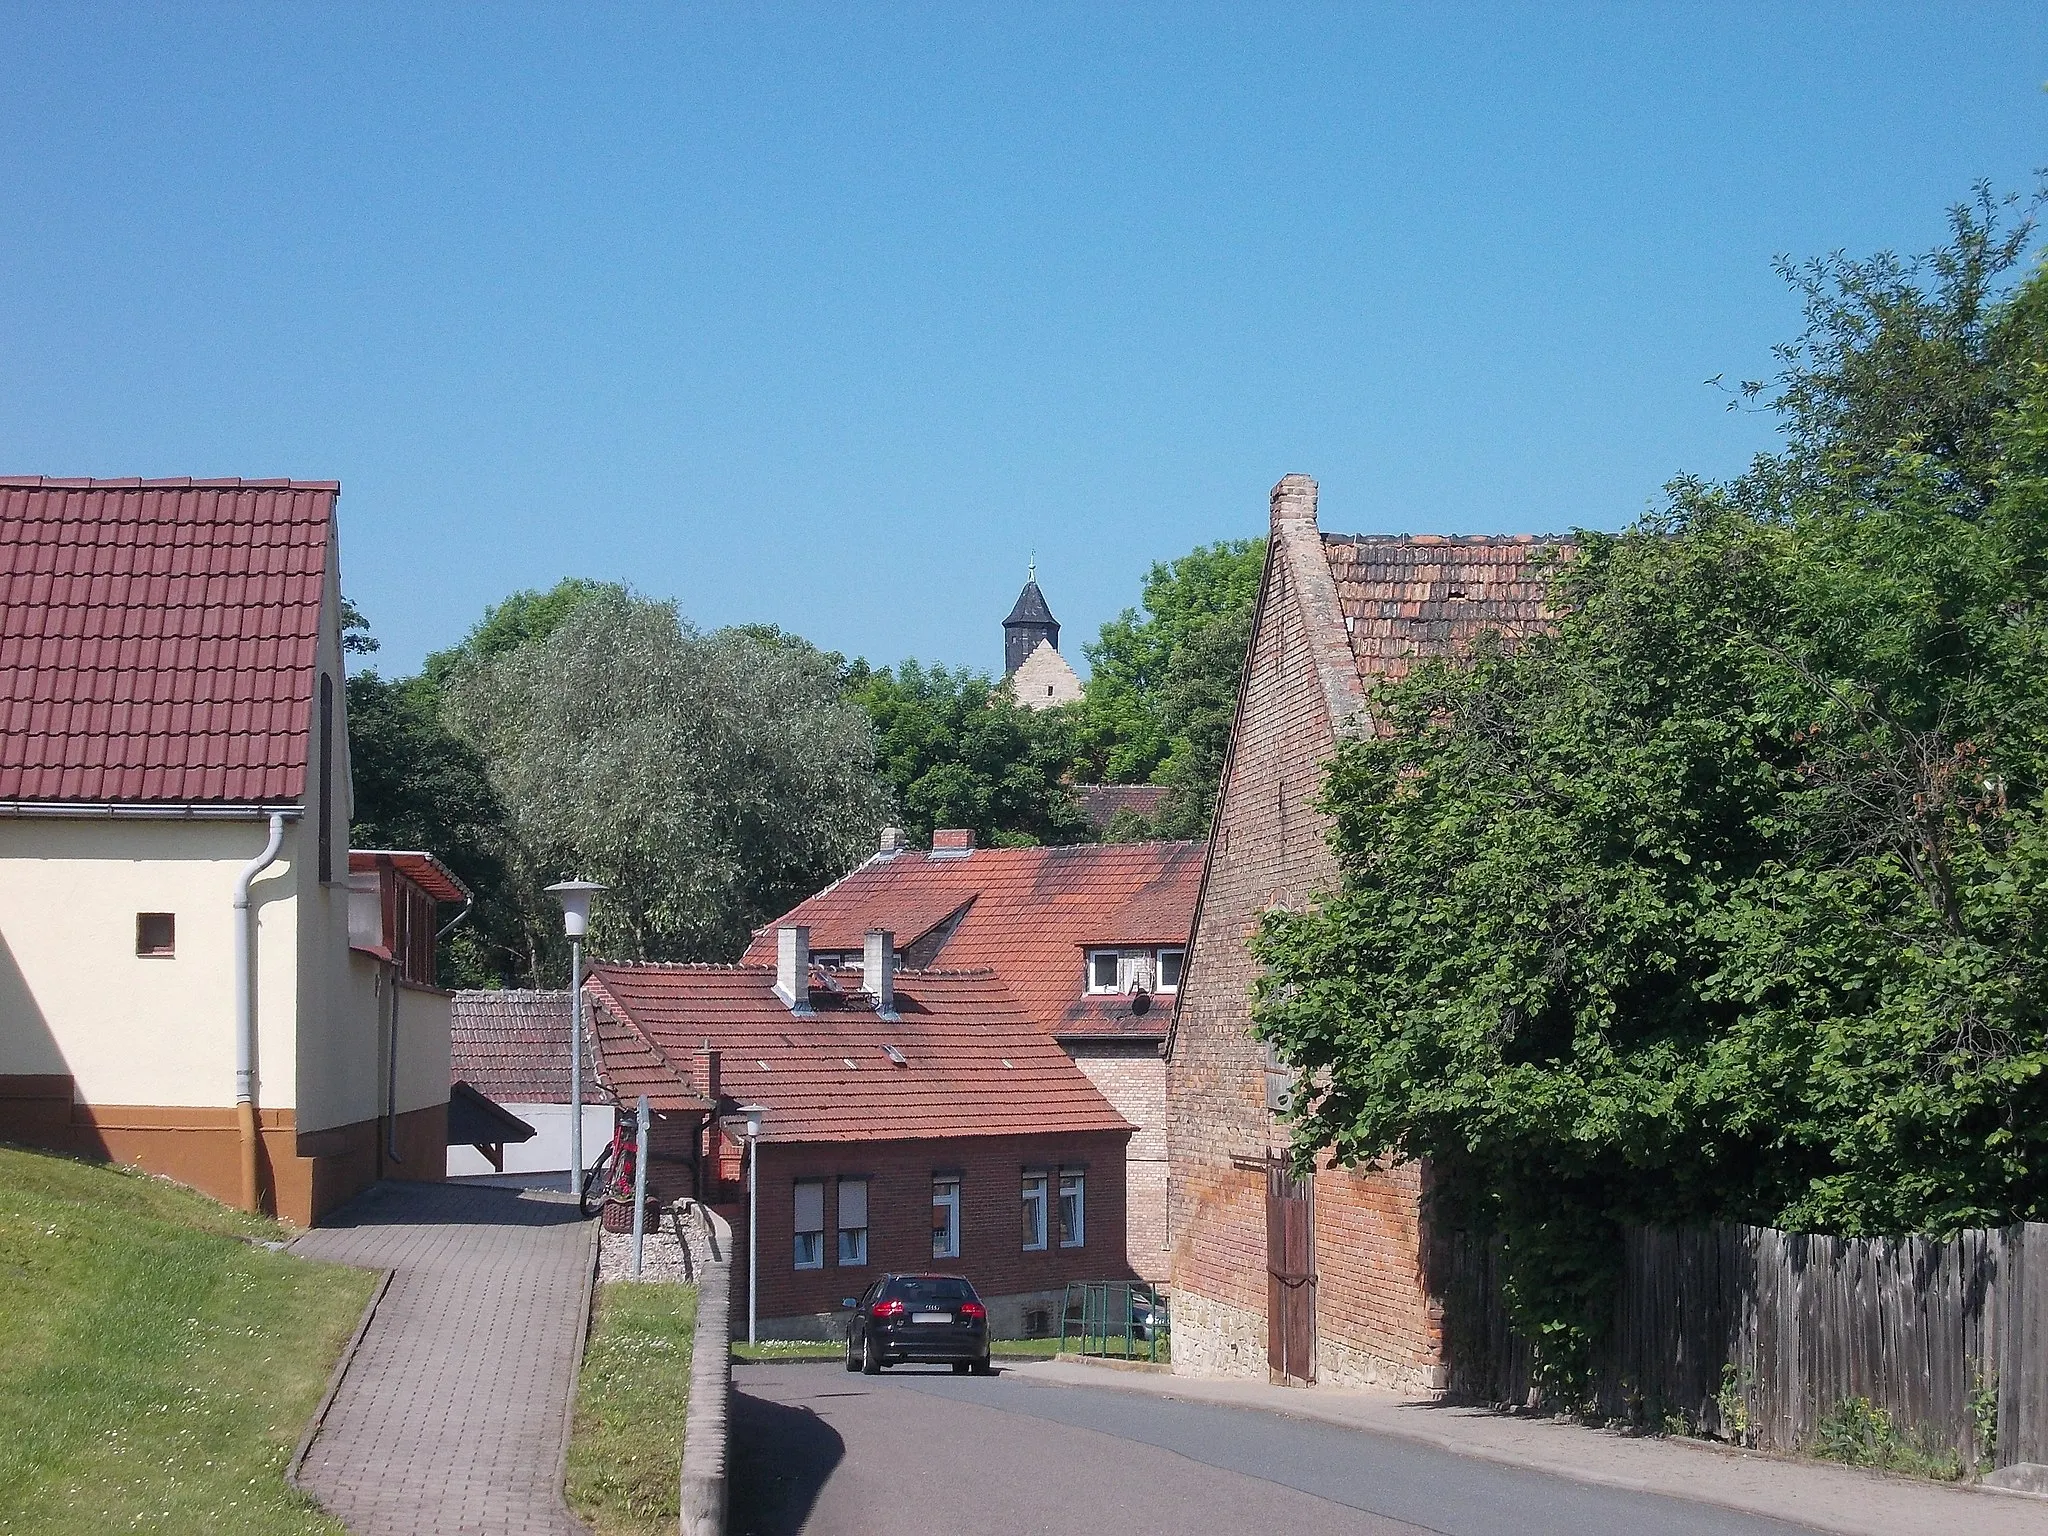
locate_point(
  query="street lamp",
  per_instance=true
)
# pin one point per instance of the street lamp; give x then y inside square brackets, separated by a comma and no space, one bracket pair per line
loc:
[754,1114]
[575,895]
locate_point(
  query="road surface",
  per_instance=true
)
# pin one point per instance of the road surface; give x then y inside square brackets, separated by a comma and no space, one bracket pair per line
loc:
[828,1453]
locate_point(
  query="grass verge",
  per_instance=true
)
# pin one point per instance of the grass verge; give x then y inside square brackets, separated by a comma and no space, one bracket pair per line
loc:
[626,1453]
[156,1367]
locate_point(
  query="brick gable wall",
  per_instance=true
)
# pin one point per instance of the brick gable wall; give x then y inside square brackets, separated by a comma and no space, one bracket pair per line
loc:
[1374,1319]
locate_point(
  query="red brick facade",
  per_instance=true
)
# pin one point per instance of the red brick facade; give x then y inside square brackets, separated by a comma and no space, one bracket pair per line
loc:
[899,1199]
[1315,642]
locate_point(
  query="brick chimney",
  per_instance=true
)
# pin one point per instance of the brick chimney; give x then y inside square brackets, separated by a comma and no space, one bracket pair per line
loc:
[707,1071]
[878,971]
[1294,502]
[793,967]
[892,842]
[952,842]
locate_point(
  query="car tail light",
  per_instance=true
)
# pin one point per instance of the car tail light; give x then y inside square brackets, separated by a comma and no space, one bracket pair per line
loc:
[975,1310]
[887,1309]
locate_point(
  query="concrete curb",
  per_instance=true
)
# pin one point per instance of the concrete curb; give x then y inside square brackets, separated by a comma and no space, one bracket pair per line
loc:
[1110,1362]
[705,1422]
[576,1376]
[348,1354]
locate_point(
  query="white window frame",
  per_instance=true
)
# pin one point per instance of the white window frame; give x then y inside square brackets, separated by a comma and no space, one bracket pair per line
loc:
[1088,972]
[946,1197]
[1078,1180]
[1159,971]
[1035,1199]
[853,1255]
[810,1241]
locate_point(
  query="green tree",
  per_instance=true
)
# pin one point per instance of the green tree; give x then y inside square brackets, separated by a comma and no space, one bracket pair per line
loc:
[1163,686]
[959,752]
[710,779]
[1728,897]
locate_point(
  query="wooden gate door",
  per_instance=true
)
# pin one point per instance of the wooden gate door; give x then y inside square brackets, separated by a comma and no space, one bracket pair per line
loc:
[1290,1277]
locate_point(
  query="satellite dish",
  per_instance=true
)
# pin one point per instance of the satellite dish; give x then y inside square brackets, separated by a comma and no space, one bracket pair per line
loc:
[1141,1003]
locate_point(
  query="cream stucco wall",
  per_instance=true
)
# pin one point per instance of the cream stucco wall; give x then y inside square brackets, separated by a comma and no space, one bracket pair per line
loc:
[75,997]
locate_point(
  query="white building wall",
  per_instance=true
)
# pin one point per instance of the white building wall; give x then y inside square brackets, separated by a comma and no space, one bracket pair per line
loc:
[75,997]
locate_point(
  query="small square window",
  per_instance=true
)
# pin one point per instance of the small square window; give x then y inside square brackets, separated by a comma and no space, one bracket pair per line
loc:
[156,934]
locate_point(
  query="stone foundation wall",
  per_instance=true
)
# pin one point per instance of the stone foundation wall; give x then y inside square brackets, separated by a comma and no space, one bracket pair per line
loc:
[1213,1338]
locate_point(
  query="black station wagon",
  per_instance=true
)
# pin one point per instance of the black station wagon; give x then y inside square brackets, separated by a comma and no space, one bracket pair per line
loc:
[934,1318]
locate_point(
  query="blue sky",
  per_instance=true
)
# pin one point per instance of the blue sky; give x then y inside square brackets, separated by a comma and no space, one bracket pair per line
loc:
[829,316]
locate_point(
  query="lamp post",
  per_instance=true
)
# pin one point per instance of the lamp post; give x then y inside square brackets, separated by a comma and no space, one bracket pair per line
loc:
[755,1114]
[575,895]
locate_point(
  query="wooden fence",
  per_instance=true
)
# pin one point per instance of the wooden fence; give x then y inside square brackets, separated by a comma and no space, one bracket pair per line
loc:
[1756,1334]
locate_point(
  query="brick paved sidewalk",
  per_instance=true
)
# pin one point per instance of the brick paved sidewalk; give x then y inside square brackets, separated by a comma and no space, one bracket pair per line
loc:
[451,1416]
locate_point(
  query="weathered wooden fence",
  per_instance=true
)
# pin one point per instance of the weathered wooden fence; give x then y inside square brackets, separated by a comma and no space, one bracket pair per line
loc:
[1757,1334]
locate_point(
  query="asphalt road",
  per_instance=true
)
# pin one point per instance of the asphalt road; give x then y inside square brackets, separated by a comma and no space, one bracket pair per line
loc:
[821,1451]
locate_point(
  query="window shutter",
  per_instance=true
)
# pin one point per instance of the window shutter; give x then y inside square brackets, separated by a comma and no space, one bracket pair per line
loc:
[810,1207]
[853,1202]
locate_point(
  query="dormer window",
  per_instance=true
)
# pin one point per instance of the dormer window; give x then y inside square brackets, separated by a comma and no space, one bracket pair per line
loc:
[1114,971]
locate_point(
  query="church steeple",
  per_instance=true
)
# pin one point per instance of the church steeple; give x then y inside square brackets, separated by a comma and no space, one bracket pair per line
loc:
[1029,623]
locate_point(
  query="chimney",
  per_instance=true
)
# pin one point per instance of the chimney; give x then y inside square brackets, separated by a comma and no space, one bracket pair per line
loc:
[793,967]
[1294,502]
[707,1071]
[892,842]
[952,842]
[878,971]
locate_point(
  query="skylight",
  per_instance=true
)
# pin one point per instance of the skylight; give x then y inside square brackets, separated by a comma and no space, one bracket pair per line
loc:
[895,1055]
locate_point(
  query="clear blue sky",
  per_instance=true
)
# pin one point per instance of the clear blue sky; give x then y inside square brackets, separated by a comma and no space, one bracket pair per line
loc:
[828,316]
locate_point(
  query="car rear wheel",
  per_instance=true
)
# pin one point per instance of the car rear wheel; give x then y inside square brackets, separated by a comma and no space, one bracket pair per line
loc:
[982,1367]
[960,1367]
[852,1359]
[870,1357]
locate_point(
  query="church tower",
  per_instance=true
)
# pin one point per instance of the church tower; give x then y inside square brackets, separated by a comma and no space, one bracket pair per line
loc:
[1029,623]
[1038,675]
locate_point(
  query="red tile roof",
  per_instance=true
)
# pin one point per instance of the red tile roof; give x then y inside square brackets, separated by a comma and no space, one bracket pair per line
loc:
[1031,913]
[973,1063]
[514,1047]
[1100,802]
[157,638]
[1413,595]
[422,869]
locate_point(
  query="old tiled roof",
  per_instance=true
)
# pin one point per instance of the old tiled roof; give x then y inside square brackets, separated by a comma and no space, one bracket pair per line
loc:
[158,637]
[514,1047]
[1031,913]
[422,869]
[1100,802]
[972,1063]
[1423,594]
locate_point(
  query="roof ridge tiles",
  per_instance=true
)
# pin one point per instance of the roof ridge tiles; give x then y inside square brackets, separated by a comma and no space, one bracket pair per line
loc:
[175,483]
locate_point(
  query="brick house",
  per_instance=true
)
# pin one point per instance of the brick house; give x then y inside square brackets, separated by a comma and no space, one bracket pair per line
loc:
[1325,1278]
[915,1120]
[1087,939]
[196,977]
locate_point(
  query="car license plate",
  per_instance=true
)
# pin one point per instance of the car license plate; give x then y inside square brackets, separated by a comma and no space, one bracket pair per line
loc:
[931,1317]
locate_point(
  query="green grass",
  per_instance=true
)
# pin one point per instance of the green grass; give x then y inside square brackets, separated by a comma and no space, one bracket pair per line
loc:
[156,1370]
[625,1457]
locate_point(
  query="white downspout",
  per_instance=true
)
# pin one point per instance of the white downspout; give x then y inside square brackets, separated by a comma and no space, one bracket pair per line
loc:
[245,1011]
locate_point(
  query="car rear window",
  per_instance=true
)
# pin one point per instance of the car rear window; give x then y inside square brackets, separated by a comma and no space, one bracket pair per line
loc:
[923,1288]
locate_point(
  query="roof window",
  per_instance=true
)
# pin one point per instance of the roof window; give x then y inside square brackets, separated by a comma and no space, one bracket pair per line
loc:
[895,1055]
